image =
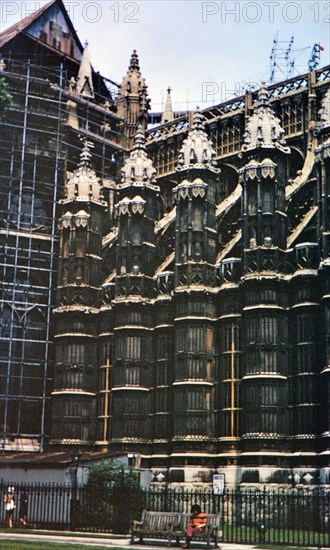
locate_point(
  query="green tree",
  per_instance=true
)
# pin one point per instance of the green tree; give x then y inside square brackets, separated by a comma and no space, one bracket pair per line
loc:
[114,491]
[6,99]
[110,470]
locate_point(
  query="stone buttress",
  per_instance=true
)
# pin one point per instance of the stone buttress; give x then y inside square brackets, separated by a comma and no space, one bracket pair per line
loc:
[264,383]
[137,211]
[323,179]
[193,297]
[77,306]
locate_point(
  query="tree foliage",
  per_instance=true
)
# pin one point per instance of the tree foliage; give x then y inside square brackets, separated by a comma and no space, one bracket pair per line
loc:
[113,471]
[6,99]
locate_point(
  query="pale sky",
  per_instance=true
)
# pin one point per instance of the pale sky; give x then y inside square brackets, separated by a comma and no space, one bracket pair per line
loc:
[206,51]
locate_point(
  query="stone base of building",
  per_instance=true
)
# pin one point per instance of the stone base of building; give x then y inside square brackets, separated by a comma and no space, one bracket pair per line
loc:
[235,475]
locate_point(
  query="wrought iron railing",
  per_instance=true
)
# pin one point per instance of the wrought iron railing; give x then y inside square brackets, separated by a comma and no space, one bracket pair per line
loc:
[294,515]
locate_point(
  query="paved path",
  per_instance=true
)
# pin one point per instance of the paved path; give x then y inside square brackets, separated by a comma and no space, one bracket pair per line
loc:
[100,541]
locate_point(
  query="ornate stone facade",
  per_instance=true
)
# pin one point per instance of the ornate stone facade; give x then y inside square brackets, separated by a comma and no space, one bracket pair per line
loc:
[192,315]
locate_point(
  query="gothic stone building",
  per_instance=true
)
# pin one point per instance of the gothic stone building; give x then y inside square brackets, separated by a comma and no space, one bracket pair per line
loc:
[165,291]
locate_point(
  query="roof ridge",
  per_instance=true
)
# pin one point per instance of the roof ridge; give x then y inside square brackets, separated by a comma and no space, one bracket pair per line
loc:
[23,24]
[27,20]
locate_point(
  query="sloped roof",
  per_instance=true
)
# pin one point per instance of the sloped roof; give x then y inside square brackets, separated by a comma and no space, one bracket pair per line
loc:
[11,33]
[54,458]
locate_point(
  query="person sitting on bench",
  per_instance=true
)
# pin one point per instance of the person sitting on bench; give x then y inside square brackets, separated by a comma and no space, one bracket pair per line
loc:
[196,524]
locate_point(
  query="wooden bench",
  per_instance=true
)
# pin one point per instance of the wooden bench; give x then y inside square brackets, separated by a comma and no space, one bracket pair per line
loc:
[155,525]
[172,526]
[209,534]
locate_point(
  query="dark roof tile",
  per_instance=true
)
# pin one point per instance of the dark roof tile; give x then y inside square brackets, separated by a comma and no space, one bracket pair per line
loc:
[14,30]
[10,33]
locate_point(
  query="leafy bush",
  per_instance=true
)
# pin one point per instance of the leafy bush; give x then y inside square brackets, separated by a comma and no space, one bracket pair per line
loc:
[113,496]
[6,99]
[112,471]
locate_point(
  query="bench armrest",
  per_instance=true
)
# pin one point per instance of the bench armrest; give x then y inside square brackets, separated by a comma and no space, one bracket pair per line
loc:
[137,523]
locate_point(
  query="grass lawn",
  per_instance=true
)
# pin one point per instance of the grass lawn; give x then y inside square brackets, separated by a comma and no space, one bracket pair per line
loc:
[31,545]
[280,547]
[276,538]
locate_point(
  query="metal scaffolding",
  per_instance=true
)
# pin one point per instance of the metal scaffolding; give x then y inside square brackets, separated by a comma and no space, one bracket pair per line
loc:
[38,145]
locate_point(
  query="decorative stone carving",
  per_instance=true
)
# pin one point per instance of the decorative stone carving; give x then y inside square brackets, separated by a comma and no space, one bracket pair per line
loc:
[137,205]
[323,129]
[197,150]
[187,189]
[325,111]
[265,169]
[84,184]
[65,221]
[138,170]
[130,206]
[82,218]
[264,128]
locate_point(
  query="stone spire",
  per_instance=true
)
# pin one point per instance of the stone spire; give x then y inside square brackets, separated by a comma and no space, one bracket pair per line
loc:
[133,102]
[168,114]
[84,184]
[85,79]
[134,62]
[264,129]
[138,170]
[133,82]
[197,150]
